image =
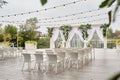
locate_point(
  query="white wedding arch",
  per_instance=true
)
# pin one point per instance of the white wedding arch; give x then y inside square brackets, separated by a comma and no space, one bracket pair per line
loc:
[75,38]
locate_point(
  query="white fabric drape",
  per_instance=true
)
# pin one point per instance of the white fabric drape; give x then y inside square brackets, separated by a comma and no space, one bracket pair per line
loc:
[71,34]
[92,31]
[74,31]
[99,33]
[90,34]
[54,37]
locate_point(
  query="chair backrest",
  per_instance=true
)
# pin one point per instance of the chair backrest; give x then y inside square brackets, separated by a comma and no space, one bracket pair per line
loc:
[60,53]
[39,58]
[49,51]
[27,57]
[52,58]
[72,54]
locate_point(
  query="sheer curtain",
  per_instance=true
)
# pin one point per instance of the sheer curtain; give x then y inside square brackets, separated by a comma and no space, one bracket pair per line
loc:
[71,35]
[91,32]
[99,33]
[54,37]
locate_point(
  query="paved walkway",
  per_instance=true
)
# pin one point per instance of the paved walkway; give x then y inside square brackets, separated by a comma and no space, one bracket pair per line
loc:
[106,64]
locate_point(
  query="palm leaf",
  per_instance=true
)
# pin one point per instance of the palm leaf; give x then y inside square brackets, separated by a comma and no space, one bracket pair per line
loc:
[104,3]
[43,2]
[110,2]
[110,15]
[114,15]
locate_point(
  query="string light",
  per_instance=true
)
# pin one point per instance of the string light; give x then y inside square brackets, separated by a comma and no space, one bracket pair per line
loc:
[65,19]
[25,13]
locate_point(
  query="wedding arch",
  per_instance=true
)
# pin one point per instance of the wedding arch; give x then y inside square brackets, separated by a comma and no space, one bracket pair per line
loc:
[75,38]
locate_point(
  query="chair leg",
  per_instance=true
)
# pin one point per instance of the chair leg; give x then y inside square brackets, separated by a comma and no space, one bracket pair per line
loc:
[56,68]
[29,66]
[78,64]
[35,65]
[23,66]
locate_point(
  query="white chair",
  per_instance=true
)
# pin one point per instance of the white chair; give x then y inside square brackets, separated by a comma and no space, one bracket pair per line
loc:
[27,59]
[81,55]
[61,57]
[39,60]
[2,54]
[53,62]
[72,55]
[86,55]
[49,51]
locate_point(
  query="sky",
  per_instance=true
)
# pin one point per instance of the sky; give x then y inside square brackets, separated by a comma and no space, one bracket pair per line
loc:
[22,6]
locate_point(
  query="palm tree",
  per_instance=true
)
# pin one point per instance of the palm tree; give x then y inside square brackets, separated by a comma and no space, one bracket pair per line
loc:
[66,29]
[104,28]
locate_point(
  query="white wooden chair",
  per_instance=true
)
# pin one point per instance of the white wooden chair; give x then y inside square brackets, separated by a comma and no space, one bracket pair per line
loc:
[2,54]
[72,55]
[61,57]
[52,62]
[39,60]
[27,59]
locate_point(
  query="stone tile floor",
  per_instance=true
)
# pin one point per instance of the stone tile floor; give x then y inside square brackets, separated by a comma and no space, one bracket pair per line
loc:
[106,64]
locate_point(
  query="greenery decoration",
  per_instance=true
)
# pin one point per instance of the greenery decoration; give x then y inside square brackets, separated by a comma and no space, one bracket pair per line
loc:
[104,27]
[84,29]
[66,29]
[50,31]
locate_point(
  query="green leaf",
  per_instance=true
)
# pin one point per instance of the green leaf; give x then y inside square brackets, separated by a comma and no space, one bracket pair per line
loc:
[111,2]
[114,15]
[104,3]
[43,2]
[110,15]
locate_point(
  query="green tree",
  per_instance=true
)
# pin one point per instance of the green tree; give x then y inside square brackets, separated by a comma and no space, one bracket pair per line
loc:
[84,29]
[28,31]
[12,31]
[29,28]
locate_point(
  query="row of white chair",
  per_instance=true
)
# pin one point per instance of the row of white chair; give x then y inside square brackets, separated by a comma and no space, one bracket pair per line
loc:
[59,57]
[9,52]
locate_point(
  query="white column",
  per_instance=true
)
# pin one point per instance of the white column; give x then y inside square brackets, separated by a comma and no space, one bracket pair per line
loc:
[105,42]
[85,43]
